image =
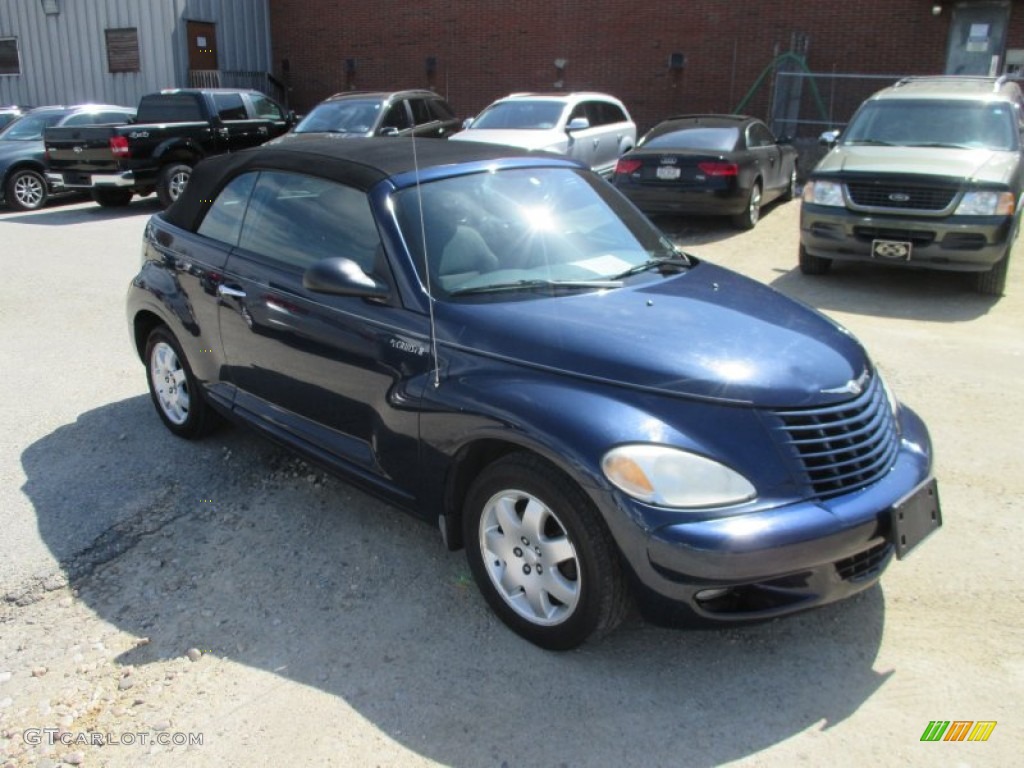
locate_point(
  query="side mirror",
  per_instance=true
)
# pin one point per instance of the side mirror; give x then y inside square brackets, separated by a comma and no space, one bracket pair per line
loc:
[467,122]
[290,118]
[829,138]
[577,124]
[339,276]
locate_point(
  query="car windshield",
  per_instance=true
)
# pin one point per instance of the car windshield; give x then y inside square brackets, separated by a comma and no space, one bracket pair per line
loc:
[29,127]
[931,123]
[719,139]
[521,114]
[356,116]
[514,230]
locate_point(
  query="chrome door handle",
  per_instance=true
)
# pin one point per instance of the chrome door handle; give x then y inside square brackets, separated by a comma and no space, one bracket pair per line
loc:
[228,291]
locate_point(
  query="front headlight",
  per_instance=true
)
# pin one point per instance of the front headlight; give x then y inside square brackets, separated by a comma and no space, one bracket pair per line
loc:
[823,193]
[986,203]
[671,477]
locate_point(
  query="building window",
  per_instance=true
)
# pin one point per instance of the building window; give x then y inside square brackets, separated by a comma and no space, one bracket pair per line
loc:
[10,63]
[123,50]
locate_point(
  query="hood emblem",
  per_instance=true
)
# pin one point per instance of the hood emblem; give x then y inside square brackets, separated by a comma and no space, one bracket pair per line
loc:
[852,387]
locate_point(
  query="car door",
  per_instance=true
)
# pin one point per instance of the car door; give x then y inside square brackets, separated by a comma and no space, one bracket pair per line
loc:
[331,374]
[768,157]
[425,123]
[396,120]
[236,126]
[583,143]
[271,119]
[615,132]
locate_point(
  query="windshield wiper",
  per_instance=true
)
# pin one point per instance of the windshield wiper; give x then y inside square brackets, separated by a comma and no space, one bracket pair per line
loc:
[677,262]
[529,285]
[940,145]
[874,142]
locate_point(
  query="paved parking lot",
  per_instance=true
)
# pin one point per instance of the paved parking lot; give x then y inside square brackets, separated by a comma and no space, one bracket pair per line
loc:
[336,630]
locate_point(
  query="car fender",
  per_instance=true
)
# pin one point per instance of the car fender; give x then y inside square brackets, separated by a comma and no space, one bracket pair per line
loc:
[173,149]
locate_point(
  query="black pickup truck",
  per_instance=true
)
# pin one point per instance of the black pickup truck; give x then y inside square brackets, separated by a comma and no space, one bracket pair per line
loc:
[173,130]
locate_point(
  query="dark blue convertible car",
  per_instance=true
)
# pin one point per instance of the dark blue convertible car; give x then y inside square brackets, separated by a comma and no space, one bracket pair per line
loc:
[500,343]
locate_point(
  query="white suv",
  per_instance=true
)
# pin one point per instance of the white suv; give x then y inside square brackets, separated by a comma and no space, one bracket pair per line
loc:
[594,128]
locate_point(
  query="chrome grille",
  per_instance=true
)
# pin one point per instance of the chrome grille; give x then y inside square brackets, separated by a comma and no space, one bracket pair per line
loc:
[900,196]
[846,446]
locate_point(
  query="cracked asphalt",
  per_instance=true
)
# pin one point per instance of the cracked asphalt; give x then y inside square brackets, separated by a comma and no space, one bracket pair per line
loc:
[221,603]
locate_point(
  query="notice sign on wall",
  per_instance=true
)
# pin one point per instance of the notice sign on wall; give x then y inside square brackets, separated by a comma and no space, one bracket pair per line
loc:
[977,39]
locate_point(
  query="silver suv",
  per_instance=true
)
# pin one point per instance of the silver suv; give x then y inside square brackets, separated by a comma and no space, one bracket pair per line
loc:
[927,174]
[594,128]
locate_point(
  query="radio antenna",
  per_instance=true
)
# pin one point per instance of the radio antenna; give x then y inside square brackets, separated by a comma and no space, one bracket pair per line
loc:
[426,267]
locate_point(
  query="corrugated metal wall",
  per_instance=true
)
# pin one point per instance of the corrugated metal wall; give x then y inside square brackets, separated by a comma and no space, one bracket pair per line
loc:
[64,58]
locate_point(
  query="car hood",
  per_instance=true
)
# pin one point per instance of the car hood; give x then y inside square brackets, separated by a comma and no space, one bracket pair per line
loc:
[706,333]
[973,164]
[514,138]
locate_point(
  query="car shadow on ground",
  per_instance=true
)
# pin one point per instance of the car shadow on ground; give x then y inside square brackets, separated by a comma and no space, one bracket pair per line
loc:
[78,211]
[871,289]
[701,230]
[233,546]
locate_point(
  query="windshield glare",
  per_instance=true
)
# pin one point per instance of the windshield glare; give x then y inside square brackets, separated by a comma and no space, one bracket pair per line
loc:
[907,123]
[341,117]
[521,115]
[536,224]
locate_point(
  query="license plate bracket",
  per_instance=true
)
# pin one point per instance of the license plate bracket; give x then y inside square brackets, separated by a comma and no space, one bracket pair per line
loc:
[914,517]
[891,250]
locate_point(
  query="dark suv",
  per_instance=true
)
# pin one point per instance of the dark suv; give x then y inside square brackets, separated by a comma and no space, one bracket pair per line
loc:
[927,174]
[401,113]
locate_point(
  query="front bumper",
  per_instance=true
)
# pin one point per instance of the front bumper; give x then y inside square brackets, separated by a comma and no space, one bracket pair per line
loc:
[70,180]
[784,559]
[953,243]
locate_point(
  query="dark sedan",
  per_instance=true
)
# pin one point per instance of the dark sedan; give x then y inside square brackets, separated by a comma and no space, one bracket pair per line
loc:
[490,339]
[23,183]
[719,165]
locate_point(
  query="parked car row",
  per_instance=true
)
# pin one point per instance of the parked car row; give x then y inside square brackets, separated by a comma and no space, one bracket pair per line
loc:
[23,165]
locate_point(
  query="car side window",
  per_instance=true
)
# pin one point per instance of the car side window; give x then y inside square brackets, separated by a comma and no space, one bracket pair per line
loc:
[397,117]
[230,106]
[441,109]
[611,113]
[223,220]
[759,136]
[264,107]
[295,220]
[420,111]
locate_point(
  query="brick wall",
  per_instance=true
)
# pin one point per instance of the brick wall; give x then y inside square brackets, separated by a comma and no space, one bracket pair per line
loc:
[485,49]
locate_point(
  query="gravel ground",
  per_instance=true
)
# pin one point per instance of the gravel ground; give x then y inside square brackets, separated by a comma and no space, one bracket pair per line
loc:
[154,591]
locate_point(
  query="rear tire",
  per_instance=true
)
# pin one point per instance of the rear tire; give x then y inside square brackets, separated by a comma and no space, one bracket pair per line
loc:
[541,554]
[112,198]
[750,215]
[790,192]
[26,190]
[813,265]
[172,181]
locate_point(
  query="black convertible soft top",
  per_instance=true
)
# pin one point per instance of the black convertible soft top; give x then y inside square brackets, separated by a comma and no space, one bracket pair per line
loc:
[356,162]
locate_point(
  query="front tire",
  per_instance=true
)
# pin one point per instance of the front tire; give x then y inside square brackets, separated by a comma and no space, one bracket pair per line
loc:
[993,282]
[749,217]
[26,190]
[172,181]
[813,265]
[541,554]
[112,198]
[173,387]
